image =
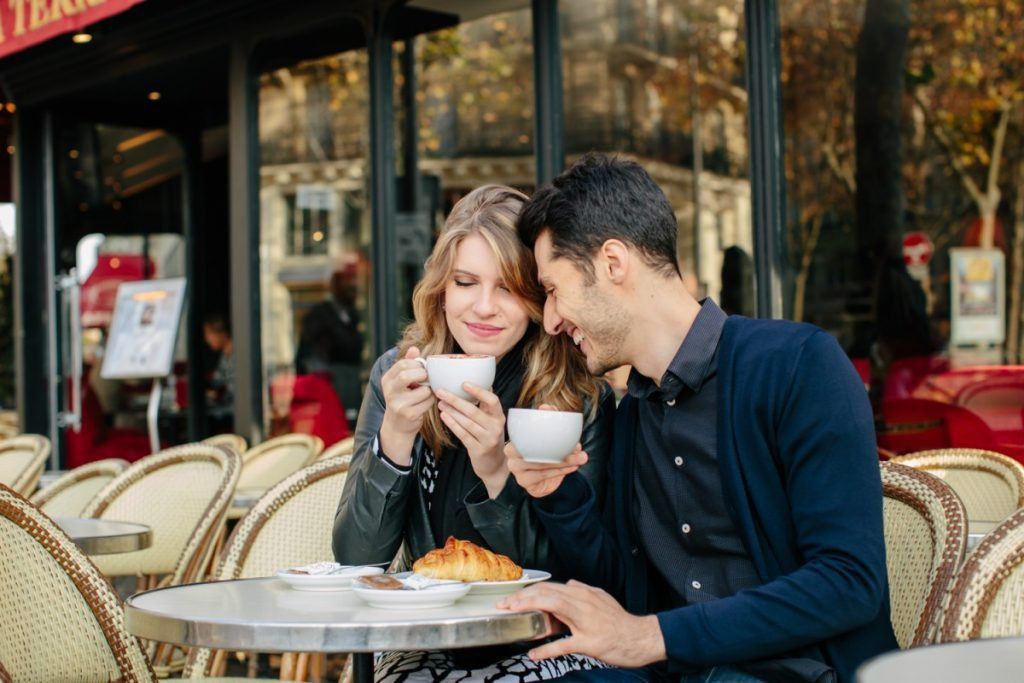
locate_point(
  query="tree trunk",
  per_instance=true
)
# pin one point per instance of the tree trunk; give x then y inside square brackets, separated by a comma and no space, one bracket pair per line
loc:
[1014,336]
[878,110]
[809,245]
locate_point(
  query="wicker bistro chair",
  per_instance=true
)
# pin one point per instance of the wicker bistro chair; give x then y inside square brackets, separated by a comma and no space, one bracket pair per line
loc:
[289,526]
[987,600]
[22,461]
[230,440]
[60,619]
[69,495]
[182,494]
[925,539]
[343,447]
[271,461]
[991,485]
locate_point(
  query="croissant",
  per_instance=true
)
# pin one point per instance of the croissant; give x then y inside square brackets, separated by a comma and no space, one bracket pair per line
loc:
[466,561]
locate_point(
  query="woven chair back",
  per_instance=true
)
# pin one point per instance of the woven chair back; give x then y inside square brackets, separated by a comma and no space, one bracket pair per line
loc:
[990,484]
[289,526]
[343,447]
[987,600]
[22,461]
[60,620]
[271,461]
[925,540]
[233,441]
[71,493]
[182,494]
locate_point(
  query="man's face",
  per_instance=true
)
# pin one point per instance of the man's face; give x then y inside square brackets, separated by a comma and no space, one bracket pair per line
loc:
[589,313]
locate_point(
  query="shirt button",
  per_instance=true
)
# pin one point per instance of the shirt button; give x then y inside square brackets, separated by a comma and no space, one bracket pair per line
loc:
[686,528]
[671,402]
[634,551]
[679,461]
[695,584]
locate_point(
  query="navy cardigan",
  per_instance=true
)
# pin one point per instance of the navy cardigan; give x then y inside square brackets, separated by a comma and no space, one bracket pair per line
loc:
[796,450]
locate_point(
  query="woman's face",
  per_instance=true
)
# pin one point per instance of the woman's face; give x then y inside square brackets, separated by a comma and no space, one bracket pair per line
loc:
[483,316]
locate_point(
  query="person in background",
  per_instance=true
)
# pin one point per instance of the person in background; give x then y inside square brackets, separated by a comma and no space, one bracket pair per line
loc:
[427,467]
[330,342]
[220,392]
[742,539]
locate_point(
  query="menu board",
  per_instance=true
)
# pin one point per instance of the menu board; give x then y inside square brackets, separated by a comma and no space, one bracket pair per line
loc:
[977,277]
[144,329]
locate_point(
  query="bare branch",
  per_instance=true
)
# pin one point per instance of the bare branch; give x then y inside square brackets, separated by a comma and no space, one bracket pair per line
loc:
[1005,109]
[946,144]
[844,175]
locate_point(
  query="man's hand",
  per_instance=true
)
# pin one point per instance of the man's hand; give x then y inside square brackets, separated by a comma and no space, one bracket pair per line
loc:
[540,478]
[600,626]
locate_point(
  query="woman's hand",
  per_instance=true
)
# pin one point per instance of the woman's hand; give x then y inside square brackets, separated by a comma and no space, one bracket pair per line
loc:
[406,403]
[481,429]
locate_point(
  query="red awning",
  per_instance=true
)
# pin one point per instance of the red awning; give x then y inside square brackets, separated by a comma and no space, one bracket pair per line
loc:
[99,292]
[24,23]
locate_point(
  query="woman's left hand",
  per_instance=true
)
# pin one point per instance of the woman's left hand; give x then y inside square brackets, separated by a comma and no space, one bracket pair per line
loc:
[481,429]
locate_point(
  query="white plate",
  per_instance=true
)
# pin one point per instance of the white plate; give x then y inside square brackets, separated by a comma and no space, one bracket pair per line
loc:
[441,595]
[503,587]
[327,582]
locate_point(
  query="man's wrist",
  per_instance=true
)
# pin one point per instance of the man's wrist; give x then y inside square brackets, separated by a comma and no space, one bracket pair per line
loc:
[651,641]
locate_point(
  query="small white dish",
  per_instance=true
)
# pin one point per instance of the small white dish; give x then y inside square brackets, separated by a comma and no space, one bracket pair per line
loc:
[431,597]
[504,587]
[338,581]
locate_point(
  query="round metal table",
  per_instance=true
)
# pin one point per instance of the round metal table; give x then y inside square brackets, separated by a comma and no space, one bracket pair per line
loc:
[265,615]
[976,532]
[105,536]
[1000,660]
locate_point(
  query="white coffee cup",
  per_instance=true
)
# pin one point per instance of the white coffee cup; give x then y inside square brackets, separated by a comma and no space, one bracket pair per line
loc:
[544,435]
[450,371]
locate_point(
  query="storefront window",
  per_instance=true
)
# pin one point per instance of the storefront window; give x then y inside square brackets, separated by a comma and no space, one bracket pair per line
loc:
[474,106]
[662,82]
[905,208]
[314,245]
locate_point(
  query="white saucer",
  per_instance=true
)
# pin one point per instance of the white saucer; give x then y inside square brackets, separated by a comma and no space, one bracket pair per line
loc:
[326,582]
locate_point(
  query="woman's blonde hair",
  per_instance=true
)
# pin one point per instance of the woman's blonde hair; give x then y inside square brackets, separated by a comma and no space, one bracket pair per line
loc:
[554,372]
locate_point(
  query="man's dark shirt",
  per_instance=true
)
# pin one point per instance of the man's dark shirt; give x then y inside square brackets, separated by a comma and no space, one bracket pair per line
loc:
[681,512]
[694,549]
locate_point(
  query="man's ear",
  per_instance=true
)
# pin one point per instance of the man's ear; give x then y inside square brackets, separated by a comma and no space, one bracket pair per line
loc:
[613,261]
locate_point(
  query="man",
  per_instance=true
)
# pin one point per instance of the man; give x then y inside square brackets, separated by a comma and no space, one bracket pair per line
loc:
[743,532]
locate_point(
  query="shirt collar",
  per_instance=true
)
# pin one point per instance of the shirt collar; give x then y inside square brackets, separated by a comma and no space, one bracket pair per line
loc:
[693,361]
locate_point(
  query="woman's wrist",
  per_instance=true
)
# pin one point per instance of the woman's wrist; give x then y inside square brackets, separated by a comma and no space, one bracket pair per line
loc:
[495,482]
[396,444]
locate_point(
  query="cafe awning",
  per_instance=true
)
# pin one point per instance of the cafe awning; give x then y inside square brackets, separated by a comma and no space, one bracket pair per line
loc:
[24,23]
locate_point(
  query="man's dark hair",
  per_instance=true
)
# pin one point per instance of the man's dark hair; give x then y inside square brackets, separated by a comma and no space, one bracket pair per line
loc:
[600,198]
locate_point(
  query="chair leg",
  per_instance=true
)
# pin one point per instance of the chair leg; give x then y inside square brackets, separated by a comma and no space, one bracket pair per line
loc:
[288,666]
[301,666]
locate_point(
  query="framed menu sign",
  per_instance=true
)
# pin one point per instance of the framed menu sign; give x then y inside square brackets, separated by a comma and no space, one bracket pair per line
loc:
[979,296]
[144,329]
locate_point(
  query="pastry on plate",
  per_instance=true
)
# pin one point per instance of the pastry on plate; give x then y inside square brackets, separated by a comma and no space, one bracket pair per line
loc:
[466,561]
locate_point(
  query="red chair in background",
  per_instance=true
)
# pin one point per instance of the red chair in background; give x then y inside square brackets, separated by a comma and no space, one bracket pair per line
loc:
[95,441]
[999,401]
[313,406]
[912,424]
[906,375]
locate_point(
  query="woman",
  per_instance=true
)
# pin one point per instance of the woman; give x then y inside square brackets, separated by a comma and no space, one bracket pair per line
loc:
[426,467]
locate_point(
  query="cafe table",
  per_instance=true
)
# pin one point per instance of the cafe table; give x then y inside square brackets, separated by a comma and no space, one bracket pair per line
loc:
[105,536]
[265,615]
[998,660]
[976,530]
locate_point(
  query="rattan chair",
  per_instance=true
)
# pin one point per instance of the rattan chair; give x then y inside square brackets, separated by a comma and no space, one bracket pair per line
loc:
[22,461]
[271,461]
[60,620]
[182,494]
[987,600]
[289,526]
[990,485]
[230,440]
[343,447]
[69,495]
[925,540]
